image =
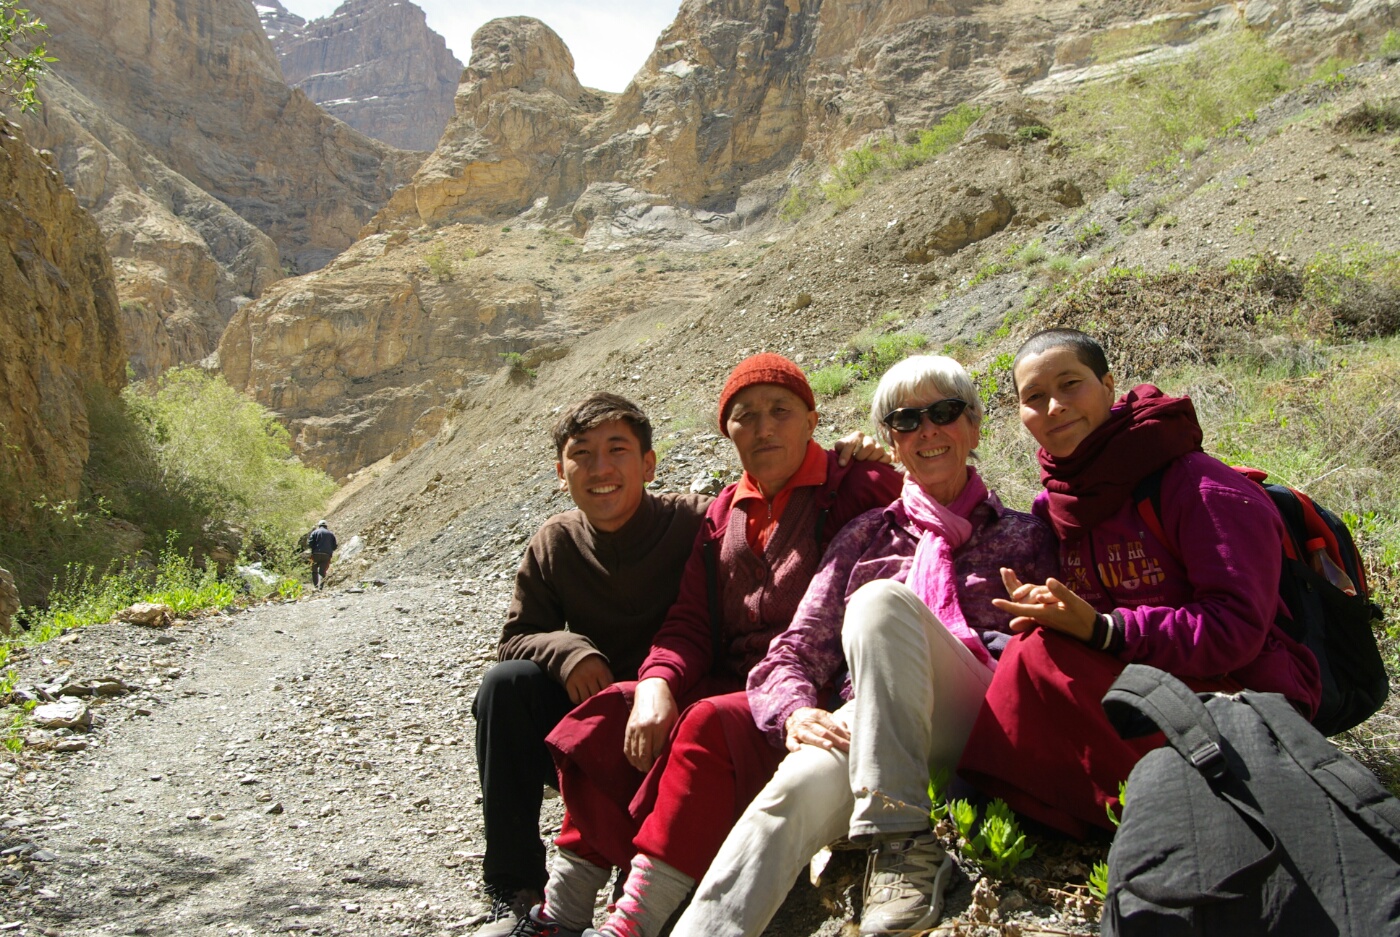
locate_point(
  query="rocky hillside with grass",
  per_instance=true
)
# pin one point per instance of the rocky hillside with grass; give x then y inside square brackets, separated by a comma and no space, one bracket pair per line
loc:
[374,64]
[550,212]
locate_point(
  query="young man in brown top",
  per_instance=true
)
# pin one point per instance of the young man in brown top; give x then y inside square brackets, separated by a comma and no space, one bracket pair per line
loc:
[592,589]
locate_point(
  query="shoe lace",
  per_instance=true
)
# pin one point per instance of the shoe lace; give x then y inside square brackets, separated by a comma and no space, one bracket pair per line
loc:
[527,926]
[903,861]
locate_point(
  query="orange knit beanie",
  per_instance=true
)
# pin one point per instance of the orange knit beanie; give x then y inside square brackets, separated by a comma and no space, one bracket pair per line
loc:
[764,368]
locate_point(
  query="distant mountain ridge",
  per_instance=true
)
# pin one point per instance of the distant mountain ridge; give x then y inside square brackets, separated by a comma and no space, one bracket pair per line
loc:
[374,64]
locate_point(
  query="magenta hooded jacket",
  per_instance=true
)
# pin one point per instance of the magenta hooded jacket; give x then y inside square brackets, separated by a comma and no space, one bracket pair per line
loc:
[1213,612]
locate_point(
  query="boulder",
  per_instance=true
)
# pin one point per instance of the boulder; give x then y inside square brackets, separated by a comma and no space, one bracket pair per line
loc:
[147,614]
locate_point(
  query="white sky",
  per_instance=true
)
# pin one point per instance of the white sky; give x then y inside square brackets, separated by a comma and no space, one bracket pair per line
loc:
[610,39]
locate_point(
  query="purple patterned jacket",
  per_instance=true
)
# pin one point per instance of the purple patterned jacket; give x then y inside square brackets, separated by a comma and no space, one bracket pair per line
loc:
[807,658]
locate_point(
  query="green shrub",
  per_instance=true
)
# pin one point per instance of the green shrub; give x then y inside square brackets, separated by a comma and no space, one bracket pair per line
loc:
[884,350]
[833,380]
[1151,113]
[439,265]
[228,454]
[1390,44]
[797,203]
[22,61]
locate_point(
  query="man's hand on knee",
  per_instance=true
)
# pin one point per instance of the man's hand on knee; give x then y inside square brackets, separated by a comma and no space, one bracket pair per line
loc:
[653,714]
[589,676]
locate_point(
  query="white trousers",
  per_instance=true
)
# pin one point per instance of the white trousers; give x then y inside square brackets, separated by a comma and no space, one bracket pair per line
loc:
[917,693]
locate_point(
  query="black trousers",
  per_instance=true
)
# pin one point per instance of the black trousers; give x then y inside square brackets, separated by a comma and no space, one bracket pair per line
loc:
[517,706]
[320,564]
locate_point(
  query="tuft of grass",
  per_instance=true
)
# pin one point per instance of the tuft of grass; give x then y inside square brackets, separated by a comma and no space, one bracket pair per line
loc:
[1390,43]
[860,163]
[833,380]
[797,203]
[1140,120]
[439,265]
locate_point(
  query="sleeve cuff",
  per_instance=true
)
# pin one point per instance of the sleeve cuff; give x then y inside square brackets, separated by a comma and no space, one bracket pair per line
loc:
[1108,633]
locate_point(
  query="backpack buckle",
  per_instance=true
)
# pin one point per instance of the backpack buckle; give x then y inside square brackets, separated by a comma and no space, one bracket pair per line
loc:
[1209,760]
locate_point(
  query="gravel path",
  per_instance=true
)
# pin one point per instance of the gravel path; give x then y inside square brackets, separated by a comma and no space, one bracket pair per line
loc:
[294,768]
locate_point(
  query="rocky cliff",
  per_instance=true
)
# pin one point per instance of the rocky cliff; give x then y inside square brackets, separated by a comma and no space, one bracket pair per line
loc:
[58,327]
[198,84]
[375,65]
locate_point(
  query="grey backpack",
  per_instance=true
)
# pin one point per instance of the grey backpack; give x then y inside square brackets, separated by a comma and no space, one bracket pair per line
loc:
[1248,821]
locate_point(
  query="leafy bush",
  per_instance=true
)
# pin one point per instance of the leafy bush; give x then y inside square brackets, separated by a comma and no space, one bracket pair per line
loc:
[879,352]
[23,62]
[439,265]
[227,454]
[1390,44]
[1151,113]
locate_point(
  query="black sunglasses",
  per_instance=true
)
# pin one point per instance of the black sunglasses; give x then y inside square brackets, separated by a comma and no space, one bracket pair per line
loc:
[909,419]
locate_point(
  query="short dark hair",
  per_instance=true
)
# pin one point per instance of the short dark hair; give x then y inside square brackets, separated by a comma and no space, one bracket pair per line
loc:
[595,410]
[1085,348]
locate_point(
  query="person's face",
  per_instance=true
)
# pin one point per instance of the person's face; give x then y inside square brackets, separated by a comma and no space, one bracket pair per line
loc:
[770,427]
[1061,399]
[606,472]
[936,456]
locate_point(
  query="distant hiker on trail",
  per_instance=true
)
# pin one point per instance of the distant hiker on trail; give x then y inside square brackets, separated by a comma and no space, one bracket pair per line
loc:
[649,782]
[593,587]
[321,542]
[1199,598]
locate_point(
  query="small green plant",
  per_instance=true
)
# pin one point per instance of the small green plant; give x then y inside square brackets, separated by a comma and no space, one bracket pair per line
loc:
[1332,72]
[938,793]
[884,350]
[998,844]
[22,61]
[796,204]
[1088,234]
[832,380]
[1030,255]
[439,265]
[1032,132]
[1390,44]
[290,589]
[516,362]
[1194,146]
[1098,881]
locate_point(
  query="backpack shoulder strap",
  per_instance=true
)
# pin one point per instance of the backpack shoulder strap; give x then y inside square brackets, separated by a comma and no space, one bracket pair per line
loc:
[1144,699]
[1147,495]
[1355,789]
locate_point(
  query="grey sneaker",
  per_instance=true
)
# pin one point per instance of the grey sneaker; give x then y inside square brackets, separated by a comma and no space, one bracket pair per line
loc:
[535,923]
[507,907]
[905,877]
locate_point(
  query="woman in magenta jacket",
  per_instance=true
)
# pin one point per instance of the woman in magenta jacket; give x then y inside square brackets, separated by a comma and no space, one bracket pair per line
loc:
[1201,606]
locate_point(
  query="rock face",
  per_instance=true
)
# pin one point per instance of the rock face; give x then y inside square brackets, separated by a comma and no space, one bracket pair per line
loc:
[375,65]
[58,327]
[184,260]
[197,83]
[519,106]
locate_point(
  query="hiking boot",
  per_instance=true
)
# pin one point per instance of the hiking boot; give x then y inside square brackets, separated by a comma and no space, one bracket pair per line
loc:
[507,907]
[905,877]
[535,923]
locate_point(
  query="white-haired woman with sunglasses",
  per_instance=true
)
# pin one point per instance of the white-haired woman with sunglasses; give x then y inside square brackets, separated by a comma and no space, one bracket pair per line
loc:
[901,605]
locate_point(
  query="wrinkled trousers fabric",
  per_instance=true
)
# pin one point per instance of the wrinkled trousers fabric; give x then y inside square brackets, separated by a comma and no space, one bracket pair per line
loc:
[917,692]
[517,706]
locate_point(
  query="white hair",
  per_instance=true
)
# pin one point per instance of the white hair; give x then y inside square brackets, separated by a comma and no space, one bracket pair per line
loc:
[923,379]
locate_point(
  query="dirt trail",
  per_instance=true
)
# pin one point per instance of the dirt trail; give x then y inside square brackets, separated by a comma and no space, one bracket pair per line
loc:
[294,768]
[303,768]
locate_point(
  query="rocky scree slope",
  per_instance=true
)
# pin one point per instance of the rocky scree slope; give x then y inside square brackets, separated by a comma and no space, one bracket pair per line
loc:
[361,360]
[478,487]
[373,64]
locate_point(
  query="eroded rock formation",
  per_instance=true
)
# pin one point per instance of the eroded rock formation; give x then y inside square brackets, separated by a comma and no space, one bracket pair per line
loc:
[58,326]
[374,64]
[197,83]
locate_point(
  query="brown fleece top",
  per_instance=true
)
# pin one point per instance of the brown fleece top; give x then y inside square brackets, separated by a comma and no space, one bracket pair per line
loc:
[582,591]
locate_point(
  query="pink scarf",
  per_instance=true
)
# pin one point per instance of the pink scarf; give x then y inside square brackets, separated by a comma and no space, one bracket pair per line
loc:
[944,528]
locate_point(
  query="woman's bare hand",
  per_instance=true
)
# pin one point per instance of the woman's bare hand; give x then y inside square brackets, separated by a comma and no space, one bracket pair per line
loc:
[1054,605]
[812,726]
[653,714]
